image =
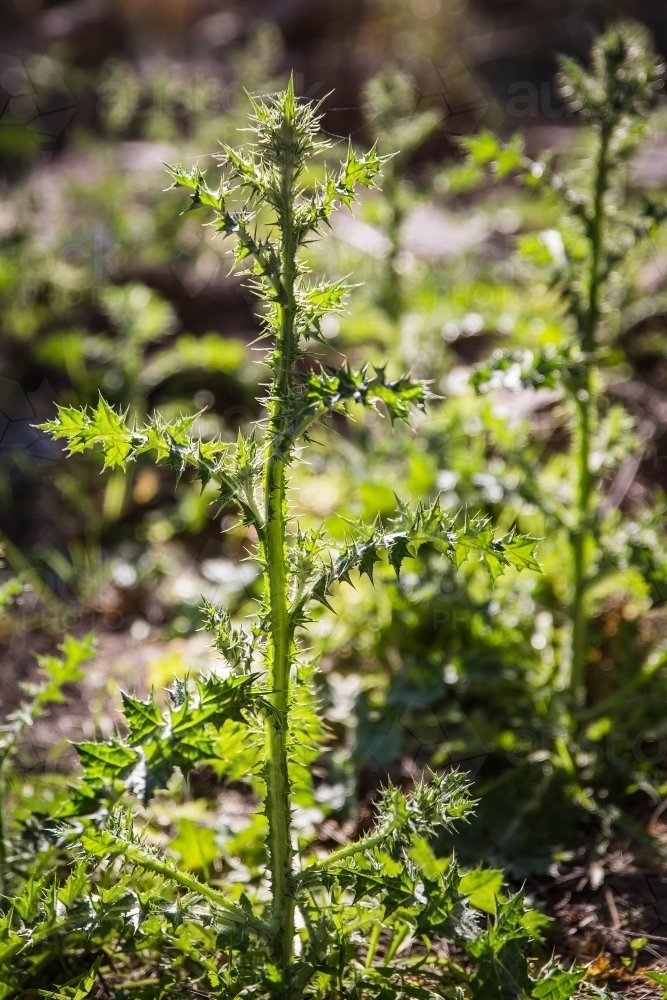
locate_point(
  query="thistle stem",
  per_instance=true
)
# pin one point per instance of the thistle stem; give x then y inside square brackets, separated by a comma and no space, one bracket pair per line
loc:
[277,731]
[280,647]
[393,284]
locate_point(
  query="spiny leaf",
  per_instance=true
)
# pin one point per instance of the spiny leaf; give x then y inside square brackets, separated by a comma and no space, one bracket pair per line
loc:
[144,718]
[105,761]
[57,671]
[234,643]
[103,427]
[358,170]
[172,443]
[557,985]
[413,529]
[330,389]
[78,988]
[482,886]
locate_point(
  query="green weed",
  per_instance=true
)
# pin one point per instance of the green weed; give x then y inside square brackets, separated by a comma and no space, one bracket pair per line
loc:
[338,924]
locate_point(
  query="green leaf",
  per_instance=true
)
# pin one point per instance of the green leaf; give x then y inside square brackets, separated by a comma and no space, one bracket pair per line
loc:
[357,170]
[482,886]
[414,528]
[58,671]
[486,150]
[517,370]
[105,761]
[535,922]
[234,643]
[144,718]
[658,977]
[519,551]
[477,535]
[558,985]
[172,441]
[103,427]
[109,430]
[330,389]
[217,699]
[483,147]
[195,846]
[61,670]
[78,988]
[8,591]
[397,551]
[193,180]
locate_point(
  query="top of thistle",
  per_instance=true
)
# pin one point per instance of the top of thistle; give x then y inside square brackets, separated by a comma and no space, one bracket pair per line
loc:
[287,128]
[624,78]
[267,173]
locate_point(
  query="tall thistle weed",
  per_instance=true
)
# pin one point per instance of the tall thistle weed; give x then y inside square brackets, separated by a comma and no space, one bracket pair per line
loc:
[364,920]
[606,227]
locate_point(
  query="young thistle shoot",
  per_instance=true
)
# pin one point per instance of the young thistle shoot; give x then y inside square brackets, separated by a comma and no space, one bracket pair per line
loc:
[267,688]
[603,225]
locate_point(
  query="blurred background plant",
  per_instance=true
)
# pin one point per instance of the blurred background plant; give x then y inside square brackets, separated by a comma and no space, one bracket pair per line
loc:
[533,677]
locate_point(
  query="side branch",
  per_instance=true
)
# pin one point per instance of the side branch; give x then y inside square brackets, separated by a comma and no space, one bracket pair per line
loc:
[213,461]
[311,875]
[105,844]
[410,530]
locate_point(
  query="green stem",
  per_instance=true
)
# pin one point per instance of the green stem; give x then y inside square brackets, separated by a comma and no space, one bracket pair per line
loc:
[280,646]
[585,408]
[373,944]
[579,545]
[276,726]
[397,939]
[393,288]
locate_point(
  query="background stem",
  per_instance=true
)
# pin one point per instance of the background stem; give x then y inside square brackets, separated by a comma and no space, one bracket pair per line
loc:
[585,409]
[579,545]
[392,292]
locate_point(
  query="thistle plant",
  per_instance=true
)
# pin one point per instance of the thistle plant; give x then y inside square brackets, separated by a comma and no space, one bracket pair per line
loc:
[605,231]
[602,227]
[336,925]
